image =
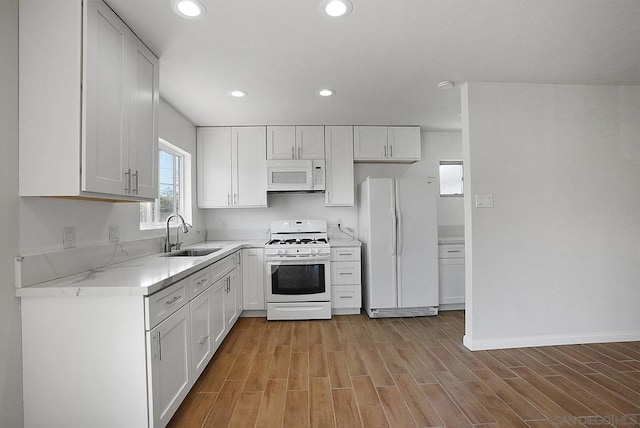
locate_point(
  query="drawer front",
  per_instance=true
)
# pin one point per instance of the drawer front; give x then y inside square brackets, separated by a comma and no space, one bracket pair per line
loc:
[345,296]
[199,281]
[345,254]
[451,251]
[160,305]
[345,273]
[220,268]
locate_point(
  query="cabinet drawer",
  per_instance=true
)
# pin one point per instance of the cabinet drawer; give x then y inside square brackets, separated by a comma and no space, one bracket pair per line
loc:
[199,281]
[451,251]
[345,273]
[345,296]
[344,254]
[222,267]
[160,305]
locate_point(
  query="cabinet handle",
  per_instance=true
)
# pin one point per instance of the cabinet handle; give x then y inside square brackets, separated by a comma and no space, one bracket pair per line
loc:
[390,151]
[228,198]
[453,251]
[346,297]
[345,273]
[172,301]
[135,189]
[385,151]
[328,196]
[127,181]
[293,152]
[159,354]
[203,339]
[202,281]
[235,198]
[344,254]
[299,152]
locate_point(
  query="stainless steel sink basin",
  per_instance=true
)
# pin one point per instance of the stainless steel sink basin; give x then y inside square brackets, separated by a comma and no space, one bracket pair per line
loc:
[192,252]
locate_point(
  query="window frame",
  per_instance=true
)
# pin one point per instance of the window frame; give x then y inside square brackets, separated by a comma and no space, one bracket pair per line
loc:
[184,180]
[456,162]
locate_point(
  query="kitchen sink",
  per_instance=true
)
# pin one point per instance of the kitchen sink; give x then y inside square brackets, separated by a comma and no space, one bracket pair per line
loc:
[192,252]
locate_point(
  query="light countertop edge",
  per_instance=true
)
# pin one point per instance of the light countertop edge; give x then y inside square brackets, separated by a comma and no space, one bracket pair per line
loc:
[138,277]
[344,242]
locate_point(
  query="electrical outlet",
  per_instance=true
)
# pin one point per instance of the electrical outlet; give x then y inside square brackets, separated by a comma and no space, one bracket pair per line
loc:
[69,237]
[224,224]
[114,233]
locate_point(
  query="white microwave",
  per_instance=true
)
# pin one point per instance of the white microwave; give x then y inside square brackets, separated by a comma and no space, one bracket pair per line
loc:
[295,175]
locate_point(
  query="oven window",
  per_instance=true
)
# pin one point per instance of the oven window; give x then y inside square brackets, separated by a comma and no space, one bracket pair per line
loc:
[297,279]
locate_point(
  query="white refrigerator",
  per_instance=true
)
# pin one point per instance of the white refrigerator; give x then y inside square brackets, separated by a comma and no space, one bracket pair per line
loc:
[399,231]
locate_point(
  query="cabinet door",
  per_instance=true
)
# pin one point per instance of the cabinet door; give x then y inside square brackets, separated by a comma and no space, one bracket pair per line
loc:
[143,142]
[369,142]
[309,142]
[249,167]
[170,378]
[214,167]
[218,321]
[281,142]
[404,142]
[253,278]
[105,144]
[339,166]
[230,299]
[451,280]
[201,334]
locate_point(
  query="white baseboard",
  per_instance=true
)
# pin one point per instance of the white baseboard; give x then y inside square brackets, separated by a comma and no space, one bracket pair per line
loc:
[451,307]
[253,313]
[549,340]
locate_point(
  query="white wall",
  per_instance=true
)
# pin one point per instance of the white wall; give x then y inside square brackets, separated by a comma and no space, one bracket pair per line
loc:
[435,146]
[10,342]
[44,218]
[557,260]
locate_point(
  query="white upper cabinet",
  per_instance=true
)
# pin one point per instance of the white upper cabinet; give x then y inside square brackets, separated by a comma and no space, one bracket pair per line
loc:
[231,167]
[386,143]
[339,178]
[88,104]
[295,142]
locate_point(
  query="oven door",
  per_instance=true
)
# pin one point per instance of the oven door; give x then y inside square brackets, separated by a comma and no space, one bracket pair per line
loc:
[298,279]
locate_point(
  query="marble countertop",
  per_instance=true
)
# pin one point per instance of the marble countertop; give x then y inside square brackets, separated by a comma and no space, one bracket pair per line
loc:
[142,276]
[344,242]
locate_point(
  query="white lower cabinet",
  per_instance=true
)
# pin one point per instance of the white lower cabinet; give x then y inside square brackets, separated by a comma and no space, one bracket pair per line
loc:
[346,288]
[170,376]
[253,279]
[451,276]
[124,361]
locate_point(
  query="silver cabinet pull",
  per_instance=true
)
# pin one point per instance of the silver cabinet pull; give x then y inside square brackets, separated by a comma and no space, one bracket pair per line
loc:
[159,354]
[293,152]
[127,181]
[346,297]
[228,198]
[390,151]
[203,339]
[328,196]
[345,273]
[135,176]
[299,152]
[172,301]
[453,251]
[385,151]
[202,281]
[344,254]
[235,198]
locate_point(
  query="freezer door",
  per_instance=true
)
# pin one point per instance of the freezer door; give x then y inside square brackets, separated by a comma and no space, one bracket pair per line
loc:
[417,243]
[380,284]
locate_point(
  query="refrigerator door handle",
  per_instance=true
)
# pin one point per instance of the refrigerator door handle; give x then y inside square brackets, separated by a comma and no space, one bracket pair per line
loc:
[399,231]
[394,220]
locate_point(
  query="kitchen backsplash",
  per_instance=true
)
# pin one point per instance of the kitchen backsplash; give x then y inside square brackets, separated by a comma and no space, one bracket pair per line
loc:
[37,268]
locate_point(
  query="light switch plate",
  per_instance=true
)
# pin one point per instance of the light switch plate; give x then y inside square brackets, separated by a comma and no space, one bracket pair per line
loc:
[484,201]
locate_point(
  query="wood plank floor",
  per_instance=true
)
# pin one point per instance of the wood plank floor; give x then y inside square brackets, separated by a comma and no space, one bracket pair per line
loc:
[353,371]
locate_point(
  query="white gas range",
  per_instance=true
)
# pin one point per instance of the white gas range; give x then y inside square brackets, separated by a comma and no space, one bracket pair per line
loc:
[298,276]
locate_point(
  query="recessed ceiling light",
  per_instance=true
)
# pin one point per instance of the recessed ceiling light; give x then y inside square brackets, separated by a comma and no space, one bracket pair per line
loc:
[446,84]
[236,93]
[191,9]
[325,92]
[336,8]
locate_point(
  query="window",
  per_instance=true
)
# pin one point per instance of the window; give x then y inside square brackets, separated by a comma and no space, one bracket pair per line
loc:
[174,190]
[451,178]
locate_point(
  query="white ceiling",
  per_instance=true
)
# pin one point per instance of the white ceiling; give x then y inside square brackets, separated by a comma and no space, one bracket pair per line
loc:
[384,60]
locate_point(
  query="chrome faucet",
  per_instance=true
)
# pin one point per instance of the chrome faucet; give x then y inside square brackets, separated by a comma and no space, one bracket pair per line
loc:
[168,246]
